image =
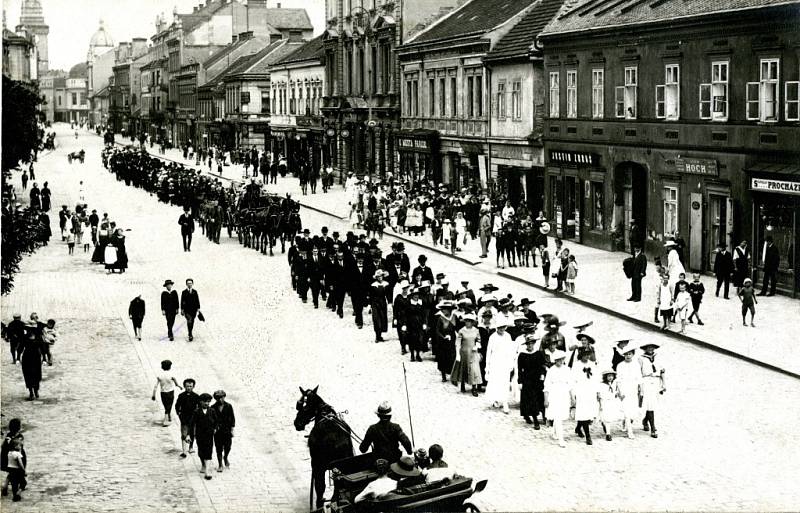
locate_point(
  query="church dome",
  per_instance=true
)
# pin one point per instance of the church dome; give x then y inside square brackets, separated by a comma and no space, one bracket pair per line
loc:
[101,38]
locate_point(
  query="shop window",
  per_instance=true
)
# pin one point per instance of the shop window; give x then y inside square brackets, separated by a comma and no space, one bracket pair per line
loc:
[572,93]
[776,219]
[625,96]
[554,99]
[597,93]
[501,100]
[792,99]
[596,202]
[670,210]
[516,100]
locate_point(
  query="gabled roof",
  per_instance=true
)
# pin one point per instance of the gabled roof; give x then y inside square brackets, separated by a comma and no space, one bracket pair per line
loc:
[474,17]
[579,15]
[263,63]
[285,19]
[312,50]
[518,42]
[246,62]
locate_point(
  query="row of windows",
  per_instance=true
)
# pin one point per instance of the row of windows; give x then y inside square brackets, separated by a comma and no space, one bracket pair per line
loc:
[292,102]
[501,110]
[442,94]
[367,69]
[762,98]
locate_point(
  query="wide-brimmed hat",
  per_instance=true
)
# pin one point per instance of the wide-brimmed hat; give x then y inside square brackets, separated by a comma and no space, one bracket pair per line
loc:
[582,336]
[384,409]
[488,297]
[488,287]
[644,345]
[502,322]
[168,282]
[465,301]
[544,228]
[424,283]
[469,317]
[528,328]
[525,301]
[629,349]
[558,354]
[446,303]
[583,326]
[405,467]
[519,316]
[380,273]
[670,243]
[504,302]
[607,372]
[553,322]
[404,284]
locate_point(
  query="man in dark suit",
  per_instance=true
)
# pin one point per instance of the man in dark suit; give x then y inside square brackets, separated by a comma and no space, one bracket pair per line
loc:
[300,272]
[635,237]
[723,268]
[169,306]
[204,427]
[771,260]
[423,270]
[336,280]
[638,272]
[186,220]
[359,281]
[190,305]
[315,270]
[398,259]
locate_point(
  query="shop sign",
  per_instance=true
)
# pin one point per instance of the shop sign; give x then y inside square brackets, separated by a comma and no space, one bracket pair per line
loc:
[692,166]
[574,157]
[414,144]
[779,186]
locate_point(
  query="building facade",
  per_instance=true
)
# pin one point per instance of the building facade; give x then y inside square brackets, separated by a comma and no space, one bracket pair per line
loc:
[446,95]
[20,61]
[32,22]
[361,106]
[678,115]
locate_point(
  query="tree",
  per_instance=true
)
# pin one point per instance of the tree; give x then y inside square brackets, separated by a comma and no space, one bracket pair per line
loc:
[21,230]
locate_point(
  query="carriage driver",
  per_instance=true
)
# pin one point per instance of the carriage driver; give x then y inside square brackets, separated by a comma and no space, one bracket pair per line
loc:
[385,436]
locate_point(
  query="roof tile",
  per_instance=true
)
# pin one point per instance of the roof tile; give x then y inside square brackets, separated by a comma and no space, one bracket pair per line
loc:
[474,16]
[519,40]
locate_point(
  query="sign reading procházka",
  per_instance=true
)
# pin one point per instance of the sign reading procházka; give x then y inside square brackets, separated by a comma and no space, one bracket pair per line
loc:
[696,166]
[779,186]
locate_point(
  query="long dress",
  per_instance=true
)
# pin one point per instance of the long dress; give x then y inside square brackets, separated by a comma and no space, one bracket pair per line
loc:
[531,371]
[558,384]
[585,389]
[610,405]
[651,382]
[377,301]
[443,342]
[629,377]
[500,360]
[122,255]
[467,370]
[31,360]
[674,267]
[415,318]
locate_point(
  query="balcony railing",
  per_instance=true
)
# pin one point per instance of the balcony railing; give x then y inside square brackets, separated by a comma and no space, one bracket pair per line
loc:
[448,126]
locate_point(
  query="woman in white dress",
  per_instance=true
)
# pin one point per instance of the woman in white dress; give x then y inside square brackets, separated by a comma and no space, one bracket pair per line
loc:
[585,391]
[629,381]
[610,405]
[652,385]
[558,394]
[674,265]
[501,357]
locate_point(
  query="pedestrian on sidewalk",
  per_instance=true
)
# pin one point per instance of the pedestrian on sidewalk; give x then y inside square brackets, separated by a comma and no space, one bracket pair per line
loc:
[136,314]
[49,338]
[696,291]
[723,268]
[167,382]
[741,260]
[545,253]
[190,306]
[31,171]
[186,406]
[14,435]
[16,469]
[204,426]
[31,359]
[572,274]
[563,267]
[70,242]
[638,272]
[557,394]
[653,386]
[683,302]
[15,335]
[169,306]
[24,180]
[665,298]
[770,258]
[674,263]
[186,221]
[94,222]
[485,230]
[223,437]
[747,295]
[675,290]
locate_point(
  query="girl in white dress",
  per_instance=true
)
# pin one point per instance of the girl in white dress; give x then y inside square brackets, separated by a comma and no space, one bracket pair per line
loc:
[629,381]
[610,405]
[558,394]
[585,390]
[501,358]
[652,385]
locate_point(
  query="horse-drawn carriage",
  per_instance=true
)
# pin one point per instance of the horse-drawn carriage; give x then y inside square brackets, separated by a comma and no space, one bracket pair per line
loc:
[76,155]
[351,475]
[331,449]
[263,220]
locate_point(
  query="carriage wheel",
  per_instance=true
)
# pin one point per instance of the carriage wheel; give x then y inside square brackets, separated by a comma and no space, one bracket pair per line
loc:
[471,508]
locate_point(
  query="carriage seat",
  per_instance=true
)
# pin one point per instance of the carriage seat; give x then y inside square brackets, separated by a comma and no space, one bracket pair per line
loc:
[361,478]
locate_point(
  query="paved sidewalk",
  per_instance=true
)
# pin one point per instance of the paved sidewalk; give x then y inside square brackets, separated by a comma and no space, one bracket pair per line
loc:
[772,342]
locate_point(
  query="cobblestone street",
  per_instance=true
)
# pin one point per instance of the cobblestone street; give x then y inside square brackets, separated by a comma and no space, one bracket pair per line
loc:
[94,444]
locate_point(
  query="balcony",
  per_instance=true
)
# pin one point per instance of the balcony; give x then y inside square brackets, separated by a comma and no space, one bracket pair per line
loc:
[448,126]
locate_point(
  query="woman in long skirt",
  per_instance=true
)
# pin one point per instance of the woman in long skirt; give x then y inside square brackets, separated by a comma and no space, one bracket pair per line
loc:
[652,386]
[415,326]
[466,368]
[585,389]
[558,394]
[31,360]
[444,338]
[629,381]
[531,370]
[500,360]
[377,301]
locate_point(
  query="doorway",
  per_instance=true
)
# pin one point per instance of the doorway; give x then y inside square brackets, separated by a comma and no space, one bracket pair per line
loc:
[630,182]
[572,208]
[720,225]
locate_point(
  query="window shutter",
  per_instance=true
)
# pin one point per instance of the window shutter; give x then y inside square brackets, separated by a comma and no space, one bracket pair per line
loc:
[619,101]
[705,101]
[660,109]
[752,100]
[791,94]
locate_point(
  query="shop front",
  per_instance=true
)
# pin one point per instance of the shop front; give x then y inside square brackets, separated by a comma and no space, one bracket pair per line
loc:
[519,175]
[775,190]
[419,155]
[575,201]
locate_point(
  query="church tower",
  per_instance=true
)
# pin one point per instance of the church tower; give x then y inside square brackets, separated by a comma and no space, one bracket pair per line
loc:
[32,19]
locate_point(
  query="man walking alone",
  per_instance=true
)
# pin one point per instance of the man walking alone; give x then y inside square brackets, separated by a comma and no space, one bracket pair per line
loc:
[190,305]
[638,272]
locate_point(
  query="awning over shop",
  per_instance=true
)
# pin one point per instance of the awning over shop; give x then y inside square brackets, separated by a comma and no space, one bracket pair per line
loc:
[786,169]
[781,178]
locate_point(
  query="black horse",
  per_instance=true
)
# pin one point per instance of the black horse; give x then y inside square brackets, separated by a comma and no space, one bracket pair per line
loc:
[329,440]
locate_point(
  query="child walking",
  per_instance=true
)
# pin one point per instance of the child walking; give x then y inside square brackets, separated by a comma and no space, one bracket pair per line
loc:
[683,300]
[49,337]
[747,295]
[558,394]
[186,406]
[585,393]
[167,382]
[572,273]
[16,469]
[610,404]
[665,302]
[653,386]
[70,238]
[696,290]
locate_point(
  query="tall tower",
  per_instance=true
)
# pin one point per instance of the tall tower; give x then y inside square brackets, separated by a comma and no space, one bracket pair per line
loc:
[32,19]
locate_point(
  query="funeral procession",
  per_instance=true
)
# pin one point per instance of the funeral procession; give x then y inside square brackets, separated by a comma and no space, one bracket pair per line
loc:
[370,256]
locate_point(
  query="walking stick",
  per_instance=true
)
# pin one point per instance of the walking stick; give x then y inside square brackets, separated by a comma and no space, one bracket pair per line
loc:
[408,403]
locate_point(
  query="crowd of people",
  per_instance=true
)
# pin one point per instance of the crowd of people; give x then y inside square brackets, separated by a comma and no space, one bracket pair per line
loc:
[481,342]
[30,343]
